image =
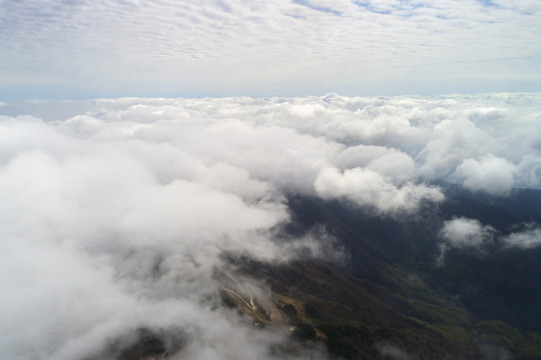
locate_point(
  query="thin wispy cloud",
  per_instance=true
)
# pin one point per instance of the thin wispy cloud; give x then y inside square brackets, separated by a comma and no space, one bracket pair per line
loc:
[471,234]
[234,47]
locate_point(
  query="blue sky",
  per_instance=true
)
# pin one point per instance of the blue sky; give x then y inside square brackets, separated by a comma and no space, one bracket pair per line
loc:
[71,49]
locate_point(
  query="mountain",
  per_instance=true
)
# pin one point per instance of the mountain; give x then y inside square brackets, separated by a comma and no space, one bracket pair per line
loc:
[391,296]
[481,303]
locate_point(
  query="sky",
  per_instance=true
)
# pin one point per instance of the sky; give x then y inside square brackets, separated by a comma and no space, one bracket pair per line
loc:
[75,49]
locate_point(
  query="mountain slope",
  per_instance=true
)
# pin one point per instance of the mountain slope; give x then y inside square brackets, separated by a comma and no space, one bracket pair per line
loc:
[390,296]
[392,290]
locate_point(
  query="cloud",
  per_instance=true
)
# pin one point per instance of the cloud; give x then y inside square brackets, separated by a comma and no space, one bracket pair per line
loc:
[370,189]
[452,141]
[391,351]
[101,237]
[389,162]
[526,239]
[466,233]
[470,233]
[495,351]
[220,48]
[118,217]
[491,174]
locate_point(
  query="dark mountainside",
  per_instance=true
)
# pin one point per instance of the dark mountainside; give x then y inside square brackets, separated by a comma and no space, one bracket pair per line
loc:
[391,299]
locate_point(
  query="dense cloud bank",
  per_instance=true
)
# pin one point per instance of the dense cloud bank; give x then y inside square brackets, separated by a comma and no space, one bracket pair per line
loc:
[117,218]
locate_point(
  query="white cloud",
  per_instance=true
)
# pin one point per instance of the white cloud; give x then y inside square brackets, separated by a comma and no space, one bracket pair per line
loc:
[370,189]
[396,165]
[491,174]
[452,141]
[466,233]
[140,198]
[235,47]
[526,239]
[104,233]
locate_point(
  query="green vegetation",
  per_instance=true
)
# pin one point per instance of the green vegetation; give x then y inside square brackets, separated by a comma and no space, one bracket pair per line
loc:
[391,291]
[525,345]
[350,315]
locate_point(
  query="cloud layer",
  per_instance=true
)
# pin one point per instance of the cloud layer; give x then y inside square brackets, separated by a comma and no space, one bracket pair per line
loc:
[118,217]
[106,235]
[232,47]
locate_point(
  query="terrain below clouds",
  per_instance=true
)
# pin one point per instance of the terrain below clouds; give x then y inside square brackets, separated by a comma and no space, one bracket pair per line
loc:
[178,223]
